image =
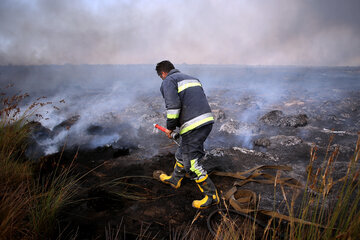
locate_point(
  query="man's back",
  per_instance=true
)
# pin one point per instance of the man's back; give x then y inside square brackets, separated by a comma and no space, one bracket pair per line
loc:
[184,92]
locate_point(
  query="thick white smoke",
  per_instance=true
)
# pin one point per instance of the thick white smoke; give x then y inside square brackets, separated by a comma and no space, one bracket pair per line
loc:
[275,32]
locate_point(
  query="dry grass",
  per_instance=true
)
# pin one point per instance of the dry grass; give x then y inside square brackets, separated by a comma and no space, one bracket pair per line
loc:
[28,205]
[233,228]
[330,207]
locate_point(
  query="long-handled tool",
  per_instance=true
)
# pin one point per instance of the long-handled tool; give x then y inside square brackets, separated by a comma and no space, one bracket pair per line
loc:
[174,135]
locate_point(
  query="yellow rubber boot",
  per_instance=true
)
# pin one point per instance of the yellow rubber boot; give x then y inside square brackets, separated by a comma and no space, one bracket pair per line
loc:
[211,196]
[176,177]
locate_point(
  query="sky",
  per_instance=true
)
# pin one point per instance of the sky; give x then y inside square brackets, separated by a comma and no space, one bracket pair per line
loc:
[252,32]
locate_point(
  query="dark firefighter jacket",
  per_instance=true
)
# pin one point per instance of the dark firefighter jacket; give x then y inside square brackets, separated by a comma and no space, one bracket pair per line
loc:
[185,101]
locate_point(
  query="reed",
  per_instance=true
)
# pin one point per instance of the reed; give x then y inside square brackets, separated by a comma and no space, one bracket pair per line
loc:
[330,208]
[331,205]
[28,205]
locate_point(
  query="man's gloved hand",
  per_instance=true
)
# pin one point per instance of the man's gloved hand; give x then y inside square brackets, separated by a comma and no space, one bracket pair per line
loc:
[168,133]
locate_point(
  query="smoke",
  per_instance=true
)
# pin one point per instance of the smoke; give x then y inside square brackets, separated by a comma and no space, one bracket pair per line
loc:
[275,32]
[117,104]
[98,95]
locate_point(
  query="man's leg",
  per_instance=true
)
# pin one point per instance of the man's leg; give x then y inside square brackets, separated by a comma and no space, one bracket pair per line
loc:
[193,150]
[207,187]
[178,174]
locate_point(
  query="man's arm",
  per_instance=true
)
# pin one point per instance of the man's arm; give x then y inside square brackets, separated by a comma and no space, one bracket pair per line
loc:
[172,103]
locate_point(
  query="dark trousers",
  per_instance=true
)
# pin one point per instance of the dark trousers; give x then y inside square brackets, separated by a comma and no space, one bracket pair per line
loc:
[191,150]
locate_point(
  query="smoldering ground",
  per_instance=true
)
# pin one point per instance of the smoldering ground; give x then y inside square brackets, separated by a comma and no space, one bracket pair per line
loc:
[109,105]
[264,116]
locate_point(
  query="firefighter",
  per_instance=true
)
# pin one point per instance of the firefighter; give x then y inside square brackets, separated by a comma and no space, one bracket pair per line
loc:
[188,109]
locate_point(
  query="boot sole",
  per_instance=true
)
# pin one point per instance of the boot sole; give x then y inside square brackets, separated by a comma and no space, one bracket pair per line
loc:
[172,185]
[212,204]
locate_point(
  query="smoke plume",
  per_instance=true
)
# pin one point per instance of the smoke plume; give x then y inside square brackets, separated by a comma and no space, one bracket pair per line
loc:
[275,32]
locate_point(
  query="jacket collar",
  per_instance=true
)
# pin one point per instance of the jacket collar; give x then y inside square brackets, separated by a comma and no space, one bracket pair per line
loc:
[173,71]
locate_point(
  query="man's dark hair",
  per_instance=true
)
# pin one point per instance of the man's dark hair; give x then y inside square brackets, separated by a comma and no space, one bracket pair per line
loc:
[164,66]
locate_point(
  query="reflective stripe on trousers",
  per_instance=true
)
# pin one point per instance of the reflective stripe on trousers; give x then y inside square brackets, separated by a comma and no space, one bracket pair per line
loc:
[191,151]
[197,169]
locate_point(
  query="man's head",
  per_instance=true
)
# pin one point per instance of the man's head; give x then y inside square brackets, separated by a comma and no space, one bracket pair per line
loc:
[163,68]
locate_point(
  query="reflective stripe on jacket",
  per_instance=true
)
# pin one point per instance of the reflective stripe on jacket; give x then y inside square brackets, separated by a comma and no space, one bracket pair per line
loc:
[185,102]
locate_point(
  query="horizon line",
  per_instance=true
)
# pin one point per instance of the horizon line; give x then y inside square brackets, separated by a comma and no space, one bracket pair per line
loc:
[193,64]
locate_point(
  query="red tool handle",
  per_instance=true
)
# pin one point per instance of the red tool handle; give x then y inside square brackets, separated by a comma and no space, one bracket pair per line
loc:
[160,128]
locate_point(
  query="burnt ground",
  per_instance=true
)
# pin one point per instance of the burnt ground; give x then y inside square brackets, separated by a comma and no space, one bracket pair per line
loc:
[138,205]
[156,210]
[160,212]
[251,129]
[120,193]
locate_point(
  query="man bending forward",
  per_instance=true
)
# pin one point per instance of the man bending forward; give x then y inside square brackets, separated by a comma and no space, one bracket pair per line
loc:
[188,109]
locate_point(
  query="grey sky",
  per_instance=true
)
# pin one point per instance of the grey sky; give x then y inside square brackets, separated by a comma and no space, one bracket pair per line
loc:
[254,32]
